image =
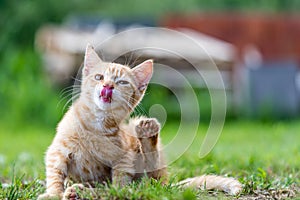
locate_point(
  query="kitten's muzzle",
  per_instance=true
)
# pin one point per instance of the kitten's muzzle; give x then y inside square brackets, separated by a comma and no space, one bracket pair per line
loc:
[106,93]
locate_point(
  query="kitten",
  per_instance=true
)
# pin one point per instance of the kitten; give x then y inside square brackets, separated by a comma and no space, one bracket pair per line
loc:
[95,144]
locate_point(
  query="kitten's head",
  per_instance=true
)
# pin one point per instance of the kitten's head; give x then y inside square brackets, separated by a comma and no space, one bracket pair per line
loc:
[112,86]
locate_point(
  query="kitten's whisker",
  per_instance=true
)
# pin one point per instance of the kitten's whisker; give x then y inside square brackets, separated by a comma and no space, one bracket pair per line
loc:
[132,100]
[68,88]
[138,109]
[126,102]
[63,98]
[76,79]
[130,58]
[125,59]
[69,92]
[135,60]
[71,99]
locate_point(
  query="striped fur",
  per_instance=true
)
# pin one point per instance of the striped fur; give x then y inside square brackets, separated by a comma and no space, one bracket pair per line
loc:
[94,142]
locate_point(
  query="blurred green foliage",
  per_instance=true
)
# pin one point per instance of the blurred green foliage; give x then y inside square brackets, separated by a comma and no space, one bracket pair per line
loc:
[25,94]
[21,18]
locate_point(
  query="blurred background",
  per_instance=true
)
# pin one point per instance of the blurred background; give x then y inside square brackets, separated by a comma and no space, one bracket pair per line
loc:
[259,40]
[254,43]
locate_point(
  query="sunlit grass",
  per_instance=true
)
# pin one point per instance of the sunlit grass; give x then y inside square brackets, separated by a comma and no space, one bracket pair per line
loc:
[263,156]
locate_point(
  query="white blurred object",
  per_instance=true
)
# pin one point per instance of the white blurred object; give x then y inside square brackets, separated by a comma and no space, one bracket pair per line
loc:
[63,48]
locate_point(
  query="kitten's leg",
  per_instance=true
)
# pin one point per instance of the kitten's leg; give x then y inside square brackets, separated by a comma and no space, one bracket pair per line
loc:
[147,131]
[123,169]
[56,170]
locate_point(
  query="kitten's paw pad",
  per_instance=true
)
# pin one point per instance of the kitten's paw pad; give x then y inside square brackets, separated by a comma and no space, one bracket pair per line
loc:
[147,128]
[73,192]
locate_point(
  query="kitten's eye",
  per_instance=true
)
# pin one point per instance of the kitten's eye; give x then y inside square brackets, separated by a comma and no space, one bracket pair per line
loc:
[99,77]
[123,82]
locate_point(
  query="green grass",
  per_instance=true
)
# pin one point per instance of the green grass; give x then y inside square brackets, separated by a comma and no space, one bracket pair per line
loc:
[265,157]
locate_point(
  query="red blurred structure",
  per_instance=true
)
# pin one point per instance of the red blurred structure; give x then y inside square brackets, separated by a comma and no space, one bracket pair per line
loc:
[277,37]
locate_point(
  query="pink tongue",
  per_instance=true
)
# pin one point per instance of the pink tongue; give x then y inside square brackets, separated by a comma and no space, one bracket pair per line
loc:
[106,94]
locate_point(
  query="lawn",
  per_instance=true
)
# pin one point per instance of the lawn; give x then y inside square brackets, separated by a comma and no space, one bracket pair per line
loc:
[265,157]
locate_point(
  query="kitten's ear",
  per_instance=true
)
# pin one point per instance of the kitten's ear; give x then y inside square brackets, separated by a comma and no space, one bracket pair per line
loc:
[143,73]
[90,59]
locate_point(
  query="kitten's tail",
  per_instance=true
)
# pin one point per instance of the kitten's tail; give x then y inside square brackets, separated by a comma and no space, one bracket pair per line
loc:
[212,182]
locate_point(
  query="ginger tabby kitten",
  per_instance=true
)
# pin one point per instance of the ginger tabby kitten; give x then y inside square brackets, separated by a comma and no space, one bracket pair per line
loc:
[95,144]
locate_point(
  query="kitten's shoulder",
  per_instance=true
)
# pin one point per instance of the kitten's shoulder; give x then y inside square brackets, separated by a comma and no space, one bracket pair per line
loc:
[68,122]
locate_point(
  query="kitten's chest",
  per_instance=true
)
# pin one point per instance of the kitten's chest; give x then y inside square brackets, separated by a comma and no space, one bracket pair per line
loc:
[108,147]
[93,158]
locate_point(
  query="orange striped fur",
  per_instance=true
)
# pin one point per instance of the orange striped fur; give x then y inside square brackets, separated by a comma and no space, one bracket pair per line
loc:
[95,142]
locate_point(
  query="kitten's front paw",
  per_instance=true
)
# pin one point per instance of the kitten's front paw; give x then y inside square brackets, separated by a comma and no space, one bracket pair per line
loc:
[73,192]
[147,128]
[47,196]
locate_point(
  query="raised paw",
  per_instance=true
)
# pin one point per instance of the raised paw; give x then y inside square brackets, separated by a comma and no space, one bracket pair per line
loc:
[73,192]
[147,128]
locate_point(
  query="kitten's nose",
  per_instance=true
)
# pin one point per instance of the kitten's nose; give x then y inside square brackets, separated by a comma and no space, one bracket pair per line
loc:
[108,86]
